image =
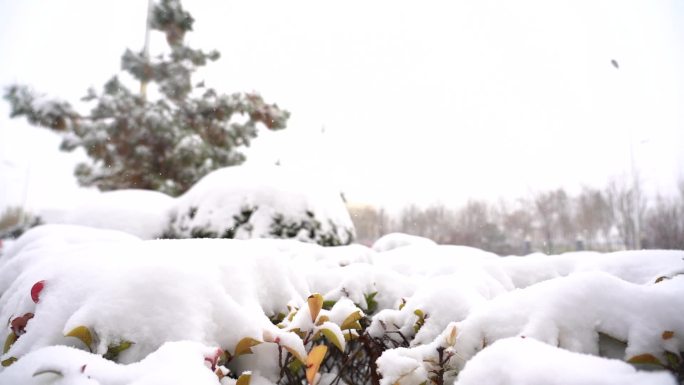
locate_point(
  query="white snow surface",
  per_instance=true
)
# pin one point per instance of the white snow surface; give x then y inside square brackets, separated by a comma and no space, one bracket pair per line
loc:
[178,301]
[393,240]
[537,363]
[143,213]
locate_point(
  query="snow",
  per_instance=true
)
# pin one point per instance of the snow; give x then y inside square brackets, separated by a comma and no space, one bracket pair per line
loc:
[142,213]
[179,300]
[234,202]
[537,363]
[636,314]
[262,202]
[393,240]
[173,363]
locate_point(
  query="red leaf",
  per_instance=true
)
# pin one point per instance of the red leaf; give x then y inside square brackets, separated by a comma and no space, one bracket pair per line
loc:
[36,289]
[18,325]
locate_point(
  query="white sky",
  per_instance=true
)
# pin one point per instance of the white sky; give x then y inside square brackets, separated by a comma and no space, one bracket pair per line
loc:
[419,101]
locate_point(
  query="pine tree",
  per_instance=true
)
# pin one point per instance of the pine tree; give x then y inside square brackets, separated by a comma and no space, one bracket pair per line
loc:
[165,144]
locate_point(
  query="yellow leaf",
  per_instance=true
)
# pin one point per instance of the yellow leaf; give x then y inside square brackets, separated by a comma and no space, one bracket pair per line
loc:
[292,314]
[646,358]
[245,345]
[244,379]
[315,302]
[83,334]
[313,362]
[332,337]
[8,361]
[668,334]
[352,321]
[322,319]
[11,338]
[350,335]
[451,339]
[298,332]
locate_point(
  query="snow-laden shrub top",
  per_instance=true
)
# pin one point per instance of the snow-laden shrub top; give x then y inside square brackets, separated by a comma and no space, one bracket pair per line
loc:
[143,213]
[393,240]
[238,202]
[88,306]
[262,202]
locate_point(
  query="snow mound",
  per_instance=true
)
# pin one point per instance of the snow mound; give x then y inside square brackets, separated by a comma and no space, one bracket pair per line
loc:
[393,240]
[173,363]
[524,361]
[245,202]
[143,213]
[421,310]
[148,293]
[638,315]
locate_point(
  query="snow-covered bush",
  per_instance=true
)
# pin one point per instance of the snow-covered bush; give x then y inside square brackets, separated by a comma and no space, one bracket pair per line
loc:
[14,221]
[143,213]
[245,202]
[269,311]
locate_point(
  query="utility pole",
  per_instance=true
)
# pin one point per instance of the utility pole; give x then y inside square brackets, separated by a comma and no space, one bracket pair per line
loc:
[636,190]
[146,50]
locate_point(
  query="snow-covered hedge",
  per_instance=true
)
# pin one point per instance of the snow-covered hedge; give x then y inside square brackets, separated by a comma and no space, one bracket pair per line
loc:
[274,202]
[238,202]
[88,306]
[142,213]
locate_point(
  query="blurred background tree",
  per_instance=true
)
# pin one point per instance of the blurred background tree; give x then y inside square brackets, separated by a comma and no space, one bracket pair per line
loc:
[165,144]
[551,221]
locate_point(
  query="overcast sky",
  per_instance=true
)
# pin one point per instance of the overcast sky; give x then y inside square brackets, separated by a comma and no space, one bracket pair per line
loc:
[396,101]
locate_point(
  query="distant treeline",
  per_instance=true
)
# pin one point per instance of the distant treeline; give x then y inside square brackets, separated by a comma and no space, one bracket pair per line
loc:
[617,217]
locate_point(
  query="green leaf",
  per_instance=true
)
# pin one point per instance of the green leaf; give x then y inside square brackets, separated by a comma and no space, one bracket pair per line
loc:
[421,320]
[8,362]
[11,338]
[328,304]
[295,354]
[371,303]
[673,359]
[83,334]
[113,351]
[295,366]
[331,336]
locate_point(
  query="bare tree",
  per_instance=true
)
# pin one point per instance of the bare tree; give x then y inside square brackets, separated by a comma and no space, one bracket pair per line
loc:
[370,223]
[518,225]
[593,216]
[664,223]
[628,206]
[554,216]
